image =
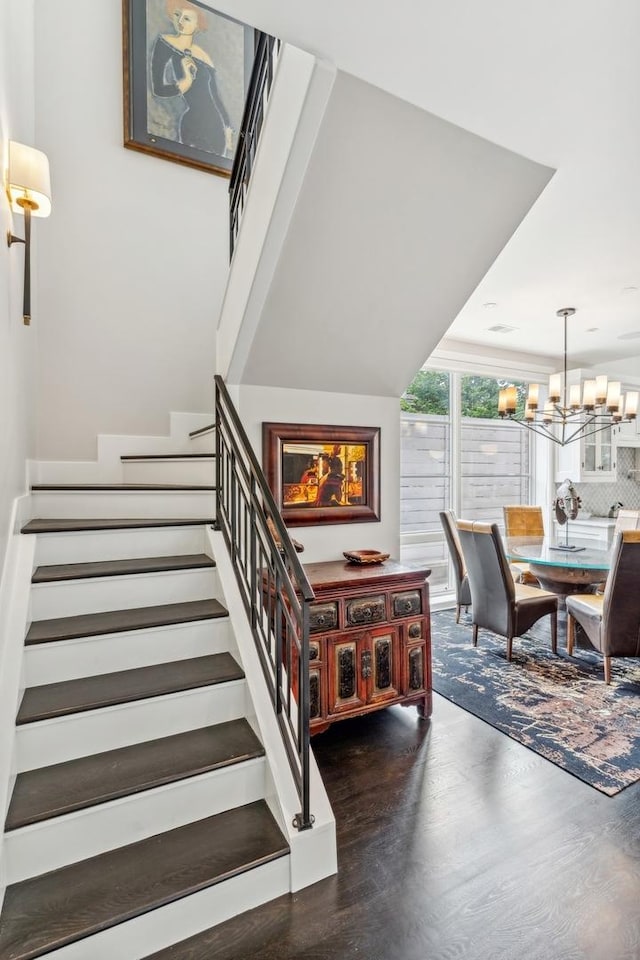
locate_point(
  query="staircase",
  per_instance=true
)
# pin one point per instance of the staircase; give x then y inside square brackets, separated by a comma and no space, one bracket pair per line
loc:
[142,811]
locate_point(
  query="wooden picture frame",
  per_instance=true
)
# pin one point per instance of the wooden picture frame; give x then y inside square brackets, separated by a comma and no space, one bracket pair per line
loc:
[323,474]
[186,74]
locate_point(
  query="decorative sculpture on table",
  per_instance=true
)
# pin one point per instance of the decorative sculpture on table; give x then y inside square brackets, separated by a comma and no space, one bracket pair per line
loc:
[566,506]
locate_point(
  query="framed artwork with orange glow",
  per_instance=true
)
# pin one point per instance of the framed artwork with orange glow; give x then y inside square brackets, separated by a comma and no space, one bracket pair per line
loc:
[323,474]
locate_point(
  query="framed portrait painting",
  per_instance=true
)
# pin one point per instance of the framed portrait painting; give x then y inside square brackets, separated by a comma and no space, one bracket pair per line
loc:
[323,474]
[186,75]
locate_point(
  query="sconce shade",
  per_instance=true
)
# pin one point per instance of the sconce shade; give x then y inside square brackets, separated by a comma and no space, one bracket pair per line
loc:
[29,180]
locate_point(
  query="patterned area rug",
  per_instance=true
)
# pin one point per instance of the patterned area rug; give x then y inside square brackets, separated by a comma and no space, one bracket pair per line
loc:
[558,706]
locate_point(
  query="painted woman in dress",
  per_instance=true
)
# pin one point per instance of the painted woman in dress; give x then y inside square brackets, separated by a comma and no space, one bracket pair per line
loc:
[180,67]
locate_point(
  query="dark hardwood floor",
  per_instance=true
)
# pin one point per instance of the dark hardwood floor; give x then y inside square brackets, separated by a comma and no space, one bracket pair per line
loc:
[454,842]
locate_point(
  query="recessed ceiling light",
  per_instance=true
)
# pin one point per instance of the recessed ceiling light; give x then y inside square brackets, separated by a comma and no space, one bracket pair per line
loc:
[501,328]
[629,289]
[489,305]
[591,329]
[630,336]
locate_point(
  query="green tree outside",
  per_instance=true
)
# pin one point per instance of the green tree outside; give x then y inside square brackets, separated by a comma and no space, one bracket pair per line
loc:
[429,393]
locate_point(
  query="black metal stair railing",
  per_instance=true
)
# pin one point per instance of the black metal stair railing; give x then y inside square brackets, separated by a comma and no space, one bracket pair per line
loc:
[275,590]
[259,86]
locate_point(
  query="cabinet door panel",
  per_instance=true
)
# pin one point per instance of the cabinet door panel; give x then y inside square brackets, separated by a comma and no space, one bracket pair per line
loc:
[315,694]
[384,680]
[346,688]
[416,667]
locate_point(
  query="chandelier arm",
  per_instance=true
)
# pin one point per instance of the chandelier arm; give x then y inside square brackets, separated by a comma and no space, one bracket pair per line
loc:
[580,430]
[588,428]
[591,433]
[538,428]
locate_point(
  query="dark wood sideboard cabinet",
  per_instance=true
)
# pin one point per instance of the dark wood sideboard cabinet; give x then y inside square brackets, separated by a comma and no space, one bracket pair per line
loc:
[369,640]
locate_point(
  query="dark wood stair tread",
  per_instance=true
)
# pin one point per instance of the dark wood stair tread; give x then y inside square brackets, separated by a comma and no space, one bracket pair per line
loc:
[119,621]
[140,683]
[76,784]
[168,456]
[46,912]
[118,568]
[65,525]
[119,487]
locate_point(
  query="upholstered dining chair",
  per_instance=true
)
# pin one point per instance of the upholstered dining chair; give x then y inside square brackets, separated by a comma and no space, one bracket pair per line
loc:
[522,521]
[611,620]
[497,602]
[463,591]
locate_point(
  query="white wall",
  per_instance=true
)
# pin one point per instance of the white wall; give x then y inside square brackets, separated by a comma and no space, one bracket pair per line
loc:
[259,404]
[18,344]
[133,260]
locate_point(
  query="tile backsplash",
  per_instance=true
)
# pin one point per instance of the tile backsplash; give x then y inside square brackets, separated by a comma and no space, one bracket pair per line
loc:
[597,498]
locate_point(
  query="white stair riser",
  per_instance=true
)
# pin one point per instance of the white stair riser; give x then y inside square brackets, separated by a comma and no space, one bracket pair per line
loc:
[110,652]
[90,545]
[204,443]
[196,504]
[93,731]
[138,938]
[68,598]
[169,471]
[54,843]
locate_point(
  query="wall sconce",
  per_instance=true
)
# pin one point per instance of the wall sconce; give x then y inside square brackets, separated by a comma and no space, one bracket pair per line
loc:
[29,192]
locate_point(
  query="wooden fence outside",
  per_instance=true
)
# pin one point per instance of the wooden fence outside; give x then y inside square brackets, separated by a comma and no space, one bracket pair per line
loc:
[494,468]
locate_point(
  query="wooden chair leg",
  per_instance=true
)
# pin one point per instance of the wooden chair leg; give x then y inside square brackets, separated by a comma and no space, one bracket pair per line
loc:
[554,632]
[571,634]
[607,669]
[509,647]
[475,634]
[458,608]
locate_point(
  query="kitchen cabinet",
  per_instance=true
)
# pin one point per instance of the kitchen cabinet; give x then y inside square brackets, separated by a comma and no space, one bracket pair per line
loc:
[596,529]
[626,434]
[369,640]
[591,459]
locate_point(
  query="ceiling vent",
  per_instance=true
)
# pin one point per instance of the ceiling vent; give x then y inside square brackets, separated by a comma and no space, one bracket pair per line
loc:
[501,328]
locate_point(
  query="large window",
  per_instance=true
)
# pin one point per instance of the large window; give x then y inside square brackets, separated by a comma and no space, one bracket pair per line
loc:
[456,452]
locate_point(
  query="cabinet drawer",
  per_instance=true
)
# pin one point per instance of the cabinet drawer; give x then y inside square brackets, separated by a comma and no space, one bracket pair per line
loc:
[406,604]
[315,652]
[323,616]
[366,610]
[415,630]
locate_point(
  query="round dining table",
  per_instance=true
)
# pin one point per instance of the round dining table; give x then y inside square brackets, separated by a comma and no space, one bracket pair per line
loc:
[561,570]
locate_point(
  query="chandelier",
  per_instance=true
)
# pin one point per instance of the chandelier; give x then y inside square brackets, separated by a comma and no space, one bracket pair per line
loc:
[571,411]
